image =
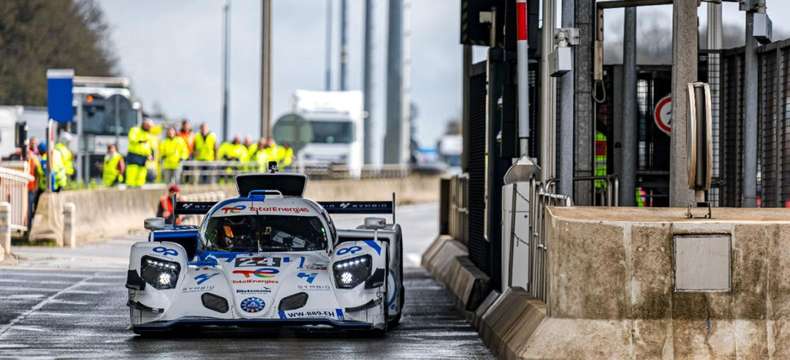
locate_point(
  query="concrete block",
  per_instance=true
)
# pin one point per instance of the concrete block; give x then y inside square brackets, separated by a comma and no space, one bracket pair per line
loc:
[5,230]
[588,271]
[778,283]
[483,308]
[557,338]
[468,283]
[48,223]
[432,250]
[650,284]
[69,236]
[442,262]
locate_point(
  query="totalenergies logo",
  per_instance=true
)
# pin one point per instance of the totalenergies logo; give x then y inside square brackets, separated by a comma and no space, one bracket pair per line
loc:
[232,209]
[259,273]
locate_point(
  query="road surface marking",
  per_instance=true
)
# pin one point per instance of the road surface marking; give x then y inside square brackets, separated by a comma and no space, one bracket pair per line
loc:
[41,304]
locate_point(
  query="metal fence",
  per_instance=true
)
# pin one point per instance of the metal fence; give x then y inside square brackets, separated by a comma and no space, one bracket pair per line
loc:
[210,172]
[458,213]
[13,189]
[539,261]
[773,126]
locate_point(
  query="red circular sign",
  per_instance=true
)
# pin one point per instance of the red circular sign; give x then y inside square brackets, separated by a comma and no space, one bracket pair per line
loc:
[663,115]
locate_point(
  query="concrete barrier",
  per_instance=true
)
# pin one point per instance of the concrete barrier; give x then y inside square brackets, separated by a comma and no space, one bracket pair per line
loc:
[5,230]
[612,281]
[447,261]
[105,213]
[69,235]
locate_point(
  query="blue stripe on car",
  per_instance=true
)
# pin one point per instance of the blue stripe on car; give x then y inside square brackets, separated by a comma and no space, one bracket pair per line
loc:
[374,245]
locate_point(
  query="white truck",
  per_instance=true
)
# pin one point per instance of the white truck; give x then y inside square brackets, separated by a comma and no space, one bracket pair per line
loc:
[35,117]
[337,122]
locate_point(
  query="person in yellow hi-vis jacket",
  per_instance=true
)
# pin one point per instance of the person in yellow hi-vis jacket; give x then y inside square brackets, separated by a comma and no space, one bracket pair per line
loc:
[600,160]
[261,155]
[112,170]
[205,149]
[172,150]
[232,151]
[58,177]
[140,151]
[288,157]
[65,153]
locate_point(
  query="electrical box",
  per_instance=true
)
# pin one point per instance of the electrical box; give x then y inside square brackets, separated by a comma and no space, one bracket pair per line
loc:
[763,28]
[561,61]
[702,263]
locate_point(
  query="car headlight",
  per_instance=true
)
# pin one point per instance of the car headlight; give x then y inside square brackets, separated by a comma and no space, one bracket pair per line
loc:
[158,273]
[352,272]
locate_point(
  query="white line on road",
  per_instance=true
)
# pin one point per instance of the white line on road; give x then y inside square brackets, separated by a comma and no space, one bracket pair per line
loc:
[41,304]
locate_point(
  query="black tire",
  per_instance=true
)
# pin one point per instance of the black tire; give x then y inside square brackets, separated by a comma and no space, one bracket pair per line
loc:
[394,322]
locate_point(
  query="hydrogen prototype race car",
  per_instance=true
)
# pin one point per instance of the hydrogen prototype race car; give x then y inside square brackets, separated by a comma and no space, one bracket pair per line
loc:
[268,258]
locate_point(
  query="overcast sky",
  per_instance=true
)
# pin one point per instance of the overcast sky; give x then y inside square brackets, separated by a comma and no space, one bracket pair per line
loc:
[172,51]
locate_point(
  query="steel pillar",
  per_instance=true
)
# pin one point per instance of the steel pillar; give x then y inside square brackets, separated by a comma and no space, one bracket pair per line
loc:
[685,56]
[392,139]
[368,82]
[584,108]
[629,123]
[749,164]
[266,68]
[548,94]
[565,162]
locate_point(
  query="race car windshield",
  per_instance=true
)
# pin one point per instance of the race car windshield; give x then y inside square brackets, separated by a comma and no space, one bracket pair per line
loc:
[257,233]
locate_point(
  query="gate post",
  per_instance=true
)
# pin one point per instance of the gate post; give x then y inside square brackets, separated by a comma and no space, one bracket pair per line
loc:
[5,230]
[69,237]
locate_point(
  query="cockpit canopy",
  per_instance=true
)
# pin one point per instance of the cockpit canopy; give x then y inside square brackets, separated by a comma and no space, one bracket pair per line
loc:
[263,233]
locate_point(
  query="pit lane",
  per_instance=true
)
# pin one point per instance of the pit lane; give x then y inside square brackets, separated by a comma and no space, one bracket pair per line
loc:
[79,311]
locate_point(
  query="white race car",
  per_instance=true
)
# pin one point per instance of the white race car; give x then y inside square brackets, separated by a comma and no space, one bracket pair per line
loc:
[268,258]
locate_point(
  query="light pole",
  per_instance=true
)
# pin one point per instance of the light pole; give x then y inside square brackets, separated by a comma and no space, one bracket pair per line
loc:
[225,69]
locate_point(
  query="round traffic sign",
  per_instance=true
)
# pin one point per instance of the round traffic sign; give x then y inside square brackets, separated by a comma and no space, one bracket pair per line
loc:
[663,115]
[293,130]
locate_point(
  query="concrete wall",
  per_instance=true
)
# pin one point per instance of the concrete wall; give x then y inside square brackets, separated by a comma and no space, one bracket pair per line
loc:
[611,279]
[612,287]
[114,212]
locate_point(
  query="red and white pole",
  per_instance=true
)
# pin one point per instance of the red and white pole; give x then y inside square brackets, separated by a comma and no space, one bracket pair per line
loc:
[523,74]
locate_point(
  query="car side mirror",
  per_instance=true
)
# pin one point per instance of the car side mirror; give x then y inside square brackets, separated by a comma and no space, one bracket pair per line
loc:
[154,224]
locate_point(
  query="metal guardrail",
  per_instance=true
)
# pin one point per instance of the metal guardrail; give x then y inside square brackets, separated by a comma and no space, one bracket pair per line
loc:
[538,244]
[539,196]
[210,172]
[13,189]
[458,218]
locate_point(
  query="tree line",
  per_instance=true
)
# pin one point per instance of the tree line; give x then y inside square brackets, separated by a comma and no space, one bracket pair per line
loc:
[36,35]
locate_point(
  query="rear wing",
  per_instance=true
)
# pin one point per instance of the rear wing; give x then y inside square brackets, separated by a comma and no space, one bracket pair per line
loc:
[332,207]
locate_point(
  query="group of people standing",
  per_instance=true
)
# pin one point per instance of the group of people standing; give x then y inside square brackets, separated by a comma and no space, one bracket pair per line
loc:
[146,149]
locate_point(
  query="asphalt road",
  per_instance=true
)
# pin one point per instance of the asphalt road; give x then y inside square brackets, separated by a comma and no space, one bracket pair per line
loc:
[71,304]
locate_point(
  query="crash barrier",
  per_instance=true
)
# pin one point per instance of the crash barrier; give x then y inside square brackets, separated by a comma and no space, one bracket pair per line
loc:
[651,283]
[106,213]
[69,236]
[5,230]
[98,214]
[446,259]
[13,189]
[211,172]
[453,212]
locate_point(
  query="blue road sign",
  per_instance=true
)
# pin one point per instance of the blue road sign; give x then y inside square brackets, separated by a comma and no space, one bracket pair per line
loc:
[60,83]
